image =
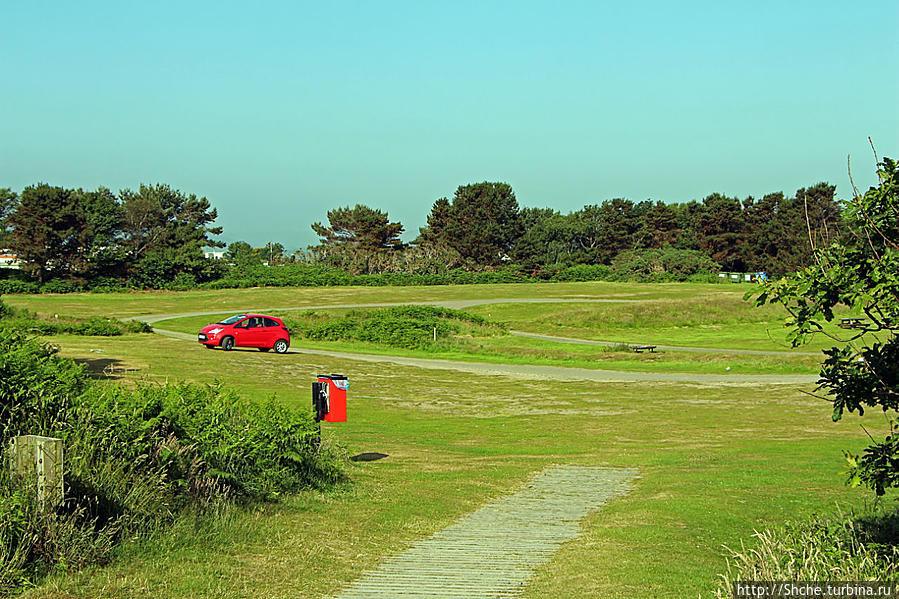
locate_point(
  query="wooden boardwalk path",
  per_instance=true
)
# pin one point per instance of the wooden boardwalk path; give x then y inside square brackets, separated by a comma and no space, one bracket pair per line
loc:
[494,551]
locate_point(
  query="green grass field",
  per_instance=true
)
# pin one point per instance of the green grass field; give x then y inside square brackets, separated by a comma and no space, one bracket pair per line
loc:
[495,347]
[715,462]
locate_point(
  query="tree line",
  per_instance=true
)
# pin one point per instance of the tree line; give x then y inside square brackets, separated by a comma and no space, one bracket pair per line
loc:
[156,235]
[483,226]
[148,236]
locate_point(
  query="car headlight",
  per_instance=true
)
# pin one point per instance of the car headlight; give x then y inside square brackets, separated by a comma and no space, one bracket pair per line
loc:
[215,331]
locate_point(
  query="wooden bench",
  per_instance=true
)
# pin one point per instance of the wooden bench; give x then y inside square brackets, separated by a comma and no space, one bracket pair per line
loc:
[641,348]
[852,323]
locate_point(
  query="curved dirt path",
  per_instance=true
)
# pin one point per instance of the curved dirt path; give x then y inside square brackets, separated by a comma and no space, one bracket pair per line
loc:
[520,371]
[460,304]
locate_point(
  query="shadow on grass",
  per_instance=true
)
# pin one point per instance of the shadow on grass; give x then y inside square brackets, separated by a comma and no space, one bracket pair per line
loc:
[107,369]
[370,456]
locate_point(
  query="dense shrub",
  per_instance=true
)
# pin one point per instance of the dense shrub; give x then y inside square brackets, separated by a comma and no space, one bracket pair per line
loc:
[316,275]
[97,326]
[585,272]
[159,273]
[255,450]
[36,387]
[667,264]
[60,286]
[106,285]
[410,327]
[10,286]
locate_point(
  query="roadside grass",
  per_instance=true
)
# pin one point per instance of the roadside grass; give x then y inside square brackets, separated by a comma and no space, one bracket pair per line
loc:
[715,463]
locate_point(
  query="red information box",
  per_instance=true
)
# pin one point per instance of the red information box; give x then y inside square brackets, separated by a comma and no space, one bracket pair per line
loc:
[337,387]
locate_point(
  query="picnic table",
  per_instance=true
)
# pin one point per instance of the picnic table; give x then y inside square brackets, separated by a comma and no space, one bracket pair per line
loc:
[641,348]
[852,323]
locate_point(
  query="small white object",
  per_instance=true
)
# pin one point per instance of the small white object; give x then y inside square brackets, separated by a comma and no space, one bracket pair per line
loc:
[728,368]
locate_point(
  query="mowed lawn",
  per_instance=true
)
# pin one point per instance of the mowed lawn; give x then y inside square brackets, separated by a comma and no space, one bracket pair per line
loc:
[715,463]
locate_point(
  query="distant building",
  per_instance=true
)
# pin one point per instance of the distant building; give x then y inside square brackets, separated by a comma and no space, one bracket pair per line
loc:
[214,254]
[9,260]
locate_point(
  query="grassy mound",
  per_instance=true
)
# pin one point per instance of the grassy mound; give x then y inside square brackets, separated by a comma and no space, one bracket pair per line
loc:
[408,327]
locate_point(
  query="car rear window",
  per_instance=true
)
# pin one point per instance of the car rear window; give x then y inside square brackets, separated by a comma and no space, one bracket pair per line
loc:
[271,323]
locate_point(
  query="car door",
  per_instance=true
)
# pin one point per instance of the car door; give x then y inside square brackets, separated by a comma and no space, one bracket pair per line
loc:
[254,334]
[240,332]
[272,332]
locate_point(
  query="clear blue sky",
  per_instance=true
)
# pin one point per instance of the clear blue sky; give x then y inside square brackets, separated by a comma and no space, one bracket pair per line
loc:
[279,111]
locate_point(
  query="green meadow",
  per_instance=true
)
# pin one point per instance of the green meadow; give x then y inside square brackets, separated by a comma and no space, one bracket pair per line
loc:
[716,462]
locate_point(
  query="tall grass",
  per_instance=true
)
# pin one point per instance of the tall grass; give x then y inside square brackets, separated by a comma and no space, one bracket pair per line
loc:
[836,548]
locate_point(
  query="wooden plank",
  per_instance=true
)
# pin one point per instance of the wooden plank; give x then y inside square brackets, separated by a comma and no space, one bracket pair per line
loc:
[494,551]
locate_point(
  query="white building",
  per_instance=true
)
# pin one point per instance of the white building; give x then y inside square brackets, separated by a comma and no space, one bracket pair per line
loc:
[9,260]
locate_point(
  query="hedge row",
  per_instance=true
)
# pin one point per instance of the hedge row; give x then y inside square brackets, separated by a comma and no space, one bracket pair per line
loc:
[640,265]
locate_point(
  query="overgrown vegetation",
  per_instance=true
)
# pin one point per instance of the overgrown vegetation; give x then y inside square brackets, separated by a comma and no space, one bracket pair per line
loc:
[659,269]
[821,549]
[18,319]
[409,327]
[136,458]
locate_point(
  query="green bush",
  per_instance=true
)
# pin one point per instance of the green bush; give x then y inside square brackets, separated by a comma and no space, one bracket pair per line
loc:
[164,273]
[29,322]
[205,436]
[409,327]
[585,272]
[60,286]
[36,386]
[666,264]
[12,286]
[106,285]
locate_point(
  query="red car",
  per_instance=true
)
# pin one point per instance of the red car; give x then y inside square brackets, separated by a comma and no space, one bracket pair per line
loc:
[247,330]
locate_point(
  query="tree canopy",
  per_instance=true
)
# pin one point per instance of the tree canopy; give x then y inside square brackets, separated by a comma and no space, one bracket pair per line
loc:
[361,228]
[79,235]
[481,223]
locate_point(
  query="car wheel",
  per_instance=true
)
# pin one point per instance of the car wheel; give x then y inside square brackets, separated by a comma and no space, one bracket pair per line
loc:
[281,346]
[228,343]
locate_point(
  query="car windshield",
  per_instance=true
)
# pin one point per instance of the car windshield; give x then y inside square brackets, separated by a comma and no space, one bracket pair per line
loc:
[233,319]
